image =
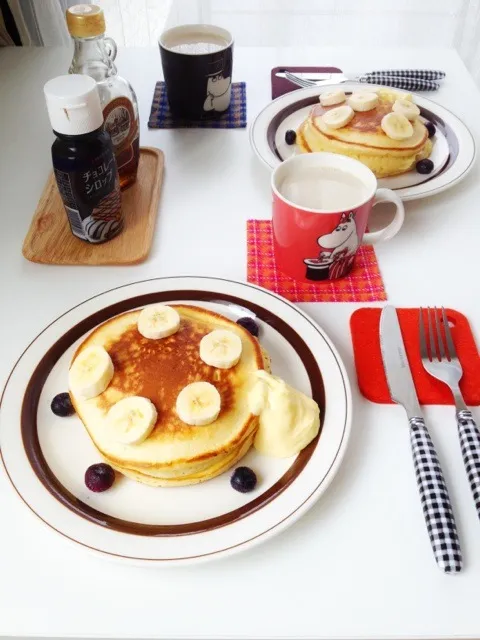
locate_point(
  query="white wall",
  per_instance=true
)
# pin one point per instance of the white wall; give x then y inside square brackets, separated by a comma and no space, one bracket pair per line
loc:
[135,23]
[415,23]
[357,23]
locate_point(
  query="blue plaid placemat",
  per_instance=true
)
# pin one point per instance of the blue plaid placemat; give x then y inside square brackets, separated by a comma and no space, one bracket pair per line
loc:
[234,118]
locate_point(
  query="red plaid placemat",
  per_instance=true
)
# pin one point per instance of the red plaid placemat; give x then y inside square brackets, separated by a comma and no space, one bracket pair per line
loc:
[363,284]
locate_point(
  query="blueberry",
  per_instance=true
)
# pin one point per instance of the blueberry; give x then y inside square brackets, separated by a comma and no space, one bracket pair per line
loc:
[249,324]
[424,166]
[290,136]
[99,477]
[243,479]
[431,128]
[62,405]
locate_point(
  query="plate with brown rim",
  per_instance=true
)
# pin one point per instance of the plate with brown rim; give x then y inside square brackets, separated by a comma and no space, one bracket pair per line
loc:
[453,153]
[45,457]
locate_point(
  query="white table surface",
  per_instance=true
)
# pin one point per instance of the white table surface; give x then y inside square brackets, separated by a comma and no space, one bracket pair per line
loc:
[359,564]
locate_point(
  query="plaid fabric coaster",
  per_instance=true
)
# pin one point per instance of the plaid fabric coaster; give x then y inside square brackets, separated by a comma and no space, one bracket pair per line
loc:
[234,118]
[363,284]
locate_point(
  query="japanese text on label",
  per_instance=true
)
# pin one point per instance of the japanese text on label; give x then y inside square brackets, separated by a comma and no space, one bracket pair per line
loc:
[98,177]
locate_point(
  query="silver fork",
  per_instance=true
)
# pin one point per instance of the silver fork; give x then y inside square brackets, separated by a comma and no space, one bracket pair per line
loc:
[439,358]
[301,82]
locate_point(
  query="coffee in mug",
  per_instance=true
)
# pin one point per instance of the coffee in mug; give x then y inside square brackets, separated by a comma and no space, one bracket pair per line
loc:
[321,204]
[197,67]
[196,44]
[325,188]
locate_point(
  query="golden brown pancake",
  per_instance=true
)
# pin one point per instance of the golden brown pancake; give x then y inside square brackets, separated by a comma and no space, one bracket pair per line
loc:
[364,139]
[174,453]
[194,478]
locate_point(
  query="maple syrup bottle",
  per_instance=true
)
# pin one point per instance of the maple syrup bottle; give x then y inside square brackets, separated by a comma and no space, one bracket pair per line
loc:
[94,55]
[83,159]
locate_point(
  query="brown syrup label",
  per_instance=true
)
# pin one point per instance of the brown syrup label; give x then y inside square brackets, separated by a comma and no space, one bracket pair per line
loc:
[121,124]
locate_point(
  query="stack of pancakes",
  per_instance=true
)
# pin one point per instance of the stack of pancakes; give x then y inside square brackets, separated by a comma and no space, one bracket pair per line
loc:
[364,139]
[174,453]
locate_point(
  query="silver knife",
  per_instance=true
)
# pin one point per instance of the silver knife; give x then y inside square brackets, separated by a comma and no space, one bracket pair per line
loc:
[314,75]
[437,509]
[408,83]
[334,76]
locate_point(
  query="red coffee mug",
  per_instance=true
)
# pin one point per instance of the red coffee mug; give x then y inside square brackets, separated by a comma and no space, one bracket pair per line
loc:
[313,244]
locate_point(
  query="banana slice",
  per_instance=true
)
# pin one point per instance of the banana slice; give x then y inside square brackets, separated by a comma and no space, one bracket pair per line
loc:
[221,348]
[91,372]
[407,108]
[198,404]
[338,117]
[396,126]
[329,98]
[363,101]
[158,321]
[132,419]
[390,95]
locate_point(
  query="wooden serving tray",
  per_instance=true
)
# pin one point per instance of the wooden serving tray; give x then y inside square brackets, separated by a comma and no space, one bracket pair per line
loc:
[50,241]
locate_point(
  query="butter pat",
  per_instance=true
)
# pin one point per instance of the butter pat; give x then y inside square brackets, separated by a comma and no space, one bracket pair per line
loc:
[288,419]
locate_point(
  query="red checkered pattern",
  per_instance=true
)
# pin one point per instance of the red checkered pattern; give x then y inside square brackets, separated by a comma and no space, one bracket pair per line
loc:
[363,284]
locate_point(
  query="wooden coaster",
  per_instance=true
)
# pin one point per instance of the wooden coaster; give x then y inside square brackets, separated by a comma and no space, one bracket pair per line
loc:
[50,241]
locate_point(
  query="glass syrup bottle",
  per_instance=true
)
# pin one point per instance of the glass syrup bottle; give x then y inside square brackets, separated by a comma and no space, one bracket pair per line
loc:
[94,55]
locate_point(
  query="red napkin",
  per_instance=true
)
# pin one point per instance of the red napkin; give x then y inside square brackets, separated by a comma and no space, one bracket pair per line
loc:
[364,326]
[282,85]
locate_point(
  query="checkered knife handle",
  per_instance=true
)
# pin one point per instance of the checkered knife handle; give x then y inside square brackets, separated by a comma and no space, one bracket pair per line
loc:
[470,446]
[419,74]
[437,509]
[400,82]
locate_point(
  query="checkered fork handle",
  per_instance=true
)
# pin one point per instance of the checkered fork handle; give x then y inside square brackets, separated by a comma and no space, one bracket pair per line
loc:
[401,82]
[437,509]
[470,446]
[421,74]
[408,79]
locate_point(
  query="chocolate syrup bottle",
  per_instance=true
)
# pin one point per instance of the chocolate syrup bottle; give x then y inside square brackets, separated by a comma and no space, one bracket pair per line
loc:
[94,55]
[84,159]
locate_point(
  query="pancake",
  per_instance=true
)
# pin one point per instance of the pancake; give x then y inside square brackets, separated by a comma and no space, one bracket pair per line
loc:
[191,479]
[174,453]
[364,139]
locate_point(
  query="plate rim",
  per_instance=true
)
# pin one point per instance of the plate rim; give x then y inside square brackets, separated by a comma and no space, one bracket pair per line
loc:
[284,520]
[406,193]
[84,327]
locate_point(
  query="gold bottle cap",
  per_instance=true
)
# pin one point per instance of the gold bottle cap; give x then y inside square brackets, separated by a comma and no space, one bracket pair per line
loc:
[85,21]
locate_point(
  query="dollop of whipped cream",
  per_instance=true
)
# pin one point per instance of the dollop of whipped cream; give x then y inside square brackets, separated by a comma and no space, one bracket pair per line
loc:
[288,419]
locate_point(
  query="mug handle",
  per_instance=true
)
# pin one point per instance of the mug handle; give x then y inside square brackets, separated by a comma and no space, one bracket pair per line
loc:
[386,195]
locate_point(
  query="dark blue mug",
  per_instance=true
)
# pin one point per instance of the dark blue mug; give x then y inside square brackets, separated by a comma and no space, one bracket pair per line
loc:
[197,67]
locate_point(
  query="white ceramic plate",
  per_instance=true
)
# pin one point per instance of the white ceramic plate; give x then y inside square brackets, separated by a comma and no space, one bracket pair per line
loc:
[453,151]
[45,457]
